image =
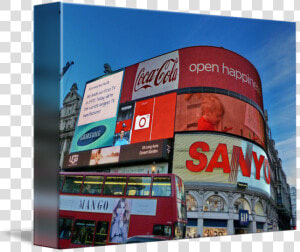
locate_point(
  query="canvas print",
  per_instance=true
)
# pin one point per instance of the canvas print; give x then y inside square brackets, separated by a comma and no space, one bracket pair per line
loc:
[173,126]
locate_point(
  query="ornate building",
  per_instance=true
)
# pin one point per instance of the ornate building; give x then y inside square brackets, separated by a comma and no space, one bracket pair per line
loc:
[293,194]
[280,189]
[216,209]
[68,118]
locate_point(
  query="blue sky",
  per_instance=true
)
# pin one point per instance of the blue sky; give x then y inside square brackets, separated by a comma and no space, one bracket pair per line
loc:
[121,37]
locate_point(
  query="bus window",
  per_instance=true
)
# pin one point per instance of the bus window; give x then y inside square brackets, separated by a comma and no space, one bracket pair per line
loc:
[163,230]
[138,186]
[181,211]
[114,186]
[61,180]
[83,233]
[72,184]
[161,187]
[180,189]
[101,233]
[65,228]
[92,184]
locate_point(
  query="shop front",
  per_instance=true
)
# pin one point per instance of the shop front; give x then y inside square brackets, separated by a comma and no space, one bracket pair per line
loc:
[240,229]
[191,228]
[213,227]
[259,227]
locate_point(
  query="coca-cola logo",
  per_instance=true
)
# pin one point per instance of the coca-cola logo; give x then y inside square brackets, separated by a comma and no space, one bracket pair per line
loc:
[167,73]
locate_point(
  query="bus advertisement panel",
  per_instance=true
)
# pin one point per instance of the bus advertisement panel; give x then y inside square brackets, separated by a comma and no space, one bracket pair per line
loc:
[106,205]
[211,158]
[97,119]
[216,112]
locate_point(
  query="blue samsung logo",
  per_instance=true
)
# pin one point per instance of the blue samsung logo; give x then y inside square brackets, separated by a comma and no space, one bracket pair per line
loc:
[91,136]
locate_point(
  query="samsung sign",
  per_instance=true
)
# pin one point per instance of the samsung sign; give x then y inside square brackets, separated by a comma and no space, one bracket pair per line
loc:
[91,135]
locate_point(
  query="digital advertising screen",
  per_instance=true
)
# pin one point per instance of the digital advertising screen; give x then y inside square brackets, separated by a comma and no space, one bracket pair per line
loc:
[98,115]
[226,160]
[208,66]
[192,67]
[157,75]
[124,122]
[105,155]
[222,113]
[154,118]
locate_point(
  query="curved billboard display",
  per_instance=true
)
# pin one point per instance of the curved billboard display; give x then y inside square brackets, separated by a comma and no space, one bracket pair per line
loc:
[213,158]
[199,66]
[216,112]
[220,68]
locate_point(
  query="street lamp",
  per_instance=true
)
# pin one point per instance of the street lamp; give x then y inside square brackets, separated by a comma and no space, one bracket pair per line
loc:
[153,167]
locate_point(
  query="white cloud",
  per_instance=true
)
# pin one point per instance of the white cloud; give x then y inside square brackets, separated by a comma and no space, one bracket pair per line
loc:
[286,143]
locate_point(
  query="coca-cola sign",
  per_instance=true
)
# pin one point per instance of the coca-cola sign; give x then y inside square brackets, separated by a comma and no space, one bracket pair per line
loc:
[156,76]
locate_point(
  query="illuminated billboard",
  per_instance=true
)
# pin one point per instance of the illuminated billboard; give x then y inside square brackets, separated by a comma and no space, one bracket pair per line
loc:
[154,119]
[105,155]
[208,66]
[130,153]
[197,66]
[216,112]
[155,76]
[211,158]
[124,122]
[97,119]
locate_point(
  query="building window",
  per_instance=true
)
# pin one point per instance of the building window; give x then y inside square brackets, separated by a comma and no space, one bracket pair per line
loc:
[215,204]
[241,204]
[259,210]
[259,227]
[191,203]
[213,227]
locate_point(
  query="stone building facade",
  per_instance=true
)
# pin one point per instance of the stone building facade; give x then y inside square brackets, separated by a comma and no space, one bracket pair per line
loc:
[293,194]
[68,118]
[280,189]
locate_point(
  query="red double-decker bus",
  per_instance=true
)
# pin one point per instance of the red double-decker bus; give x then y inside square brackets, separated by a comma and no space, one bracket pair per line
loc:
[107,208]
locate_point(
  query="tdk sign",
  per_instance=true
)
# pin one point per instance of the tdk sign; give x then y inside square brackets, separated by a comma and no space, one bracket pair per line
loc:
[91,136]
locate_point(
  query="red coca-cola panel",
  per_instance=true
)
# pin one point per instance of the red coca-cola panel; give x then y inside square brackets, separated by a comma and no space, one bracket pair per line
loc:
[164,116]
[128,82]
